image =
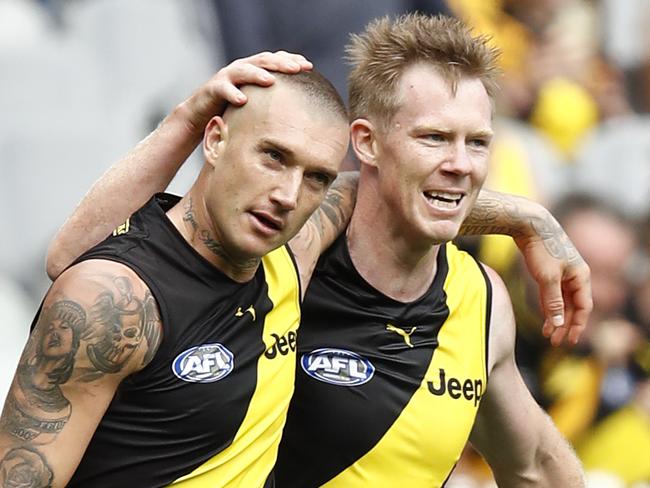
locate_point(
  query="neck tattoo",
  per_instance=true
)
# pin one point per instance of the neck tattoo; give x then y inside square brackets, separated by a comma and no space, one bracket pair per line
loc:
[212,244]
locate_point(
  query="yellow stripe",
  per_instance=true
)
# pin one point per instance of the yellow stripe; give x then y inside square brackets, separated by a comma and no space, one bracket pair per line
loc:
[247,462]
[425,441]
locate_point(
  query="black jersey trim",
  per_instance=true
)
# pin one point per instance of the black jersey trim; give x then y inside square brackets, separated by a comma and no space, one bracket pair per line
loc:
[488,314]
[295,265]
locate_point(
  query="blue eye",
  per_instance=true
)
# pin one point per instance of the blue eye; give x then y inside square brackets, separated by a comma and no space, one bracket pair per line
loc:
[436,137]
[479,142]
[273,154]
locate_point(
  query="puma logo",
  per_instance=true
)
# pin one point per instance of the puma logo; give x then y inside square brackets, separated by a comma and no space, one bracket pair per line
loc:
[251,310]
[402,332]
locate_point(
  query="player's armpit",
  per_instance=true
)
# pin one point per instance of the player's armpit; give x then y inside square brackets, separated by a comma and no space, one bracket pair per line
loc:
[97,325]
[325,224]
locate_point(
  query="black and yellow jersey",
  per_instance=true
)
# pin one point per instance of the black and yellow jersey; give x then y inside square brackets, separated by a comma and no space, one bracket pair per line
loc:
[386,392]
[209,408]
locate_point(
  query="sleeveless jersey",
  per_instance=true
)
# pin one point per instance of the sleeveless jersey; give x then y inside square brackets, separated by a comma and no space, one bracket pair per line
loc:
[209,408]
[386,392]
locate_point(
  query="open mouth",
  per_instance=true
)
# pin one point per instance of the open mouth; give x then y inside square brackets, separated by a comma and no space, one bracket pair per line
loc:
[268,221]
[443,199]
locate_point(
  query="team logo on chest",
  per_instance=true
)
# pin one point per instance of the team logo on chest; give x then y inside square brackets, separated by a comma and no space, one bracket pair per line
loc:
[337,366]
[204,364]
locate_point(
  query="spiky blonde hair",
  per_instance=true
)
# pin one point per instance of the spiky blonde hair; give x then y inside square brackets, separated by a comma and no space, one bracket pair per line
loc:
[387,47]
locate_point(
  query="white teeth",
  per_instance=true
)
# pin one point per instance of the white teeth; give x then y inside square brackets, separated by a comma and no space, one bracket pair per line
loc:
[443,199]
[442,203]
[445,195]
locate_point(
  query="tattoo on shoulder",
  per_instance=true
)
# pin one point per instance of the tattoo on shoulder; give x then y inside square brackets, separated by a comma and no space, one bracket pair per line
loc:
[25,467]
[115,331]
[110,332]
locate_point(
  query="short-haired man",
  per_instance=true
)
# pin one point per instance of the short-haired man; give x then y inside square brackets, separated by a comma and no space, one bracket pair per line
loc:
[148,363]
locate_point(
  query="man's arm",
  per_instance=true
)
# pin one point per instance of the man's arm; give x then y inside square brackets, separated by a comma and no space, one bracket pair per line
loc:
[325,224]
[150,166]
[98,324]
[514,435]
[562,275]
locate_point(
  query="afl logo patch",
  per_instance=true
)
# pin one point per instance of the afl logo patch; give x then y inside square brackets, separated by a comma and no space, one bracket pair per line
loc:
[204,364]
[337,366]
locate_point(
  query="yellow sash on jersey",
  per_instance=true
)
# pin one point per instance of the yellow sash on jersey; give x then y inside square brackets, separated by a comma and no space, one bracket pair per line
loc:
[250,458]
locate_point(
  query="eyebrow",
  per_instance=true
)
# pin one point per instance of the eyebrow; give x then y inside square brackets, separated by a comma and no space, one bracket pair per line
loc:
[484,133]
[278,146]
[290,154]
[487,133]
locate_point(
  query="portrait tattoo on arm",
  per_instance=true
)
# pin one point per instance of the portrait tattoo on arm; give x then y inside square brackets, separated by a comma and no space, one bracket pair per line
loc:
[37,409]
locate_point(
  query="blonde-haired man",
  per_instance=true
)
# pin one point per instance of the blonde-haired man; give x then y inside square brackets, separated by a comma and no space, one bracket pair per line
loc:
[372,408]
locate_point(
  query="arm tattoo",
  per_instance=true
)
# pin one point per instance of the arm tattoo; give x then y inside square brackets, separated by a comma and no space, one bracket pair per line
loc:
[335,211]
[24,467]
[498,213]
[556,242]
[36,406]
[117,329]
[494,214]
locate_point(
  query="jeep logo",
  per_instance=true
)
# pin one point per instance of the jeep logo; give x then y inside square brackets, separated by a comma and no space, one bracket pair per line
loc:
[283,344]
[469,389]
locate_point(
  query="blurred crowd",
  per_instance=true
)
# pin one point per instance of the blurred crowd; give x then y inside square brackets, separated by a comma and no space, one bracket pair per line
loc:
[82,80]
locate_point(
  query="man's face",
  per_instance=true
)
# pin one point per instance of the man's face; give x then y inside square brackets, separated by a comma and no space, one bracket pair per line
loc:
[272,167]
[432,160]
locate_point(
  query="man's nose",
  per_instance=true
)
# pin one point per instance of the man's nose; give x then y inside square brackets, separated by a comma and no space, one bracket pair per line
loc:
[458,160]
[285,193]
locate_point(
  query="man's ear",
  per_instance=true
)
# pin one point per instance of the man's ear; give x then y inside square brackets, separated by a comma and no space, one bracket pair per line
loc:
[216,134]
[363,137]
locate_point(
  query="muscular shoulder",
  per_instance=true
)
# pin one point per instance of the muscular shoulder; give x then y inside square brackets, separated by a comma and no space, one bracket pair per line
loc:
[502,321]
[109,315]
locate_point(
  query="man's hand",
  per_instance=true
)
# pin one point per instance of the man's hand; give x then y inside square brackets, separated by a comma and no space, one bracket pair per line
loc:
[223,88]
[563,278]
[150,166]
[562,275]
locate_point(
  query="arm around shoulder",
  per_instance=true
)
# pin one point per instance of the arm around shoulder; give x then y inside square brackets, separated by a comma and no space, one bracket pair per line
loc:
[325,224]
[98,323]
[515,436]
[562,275]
